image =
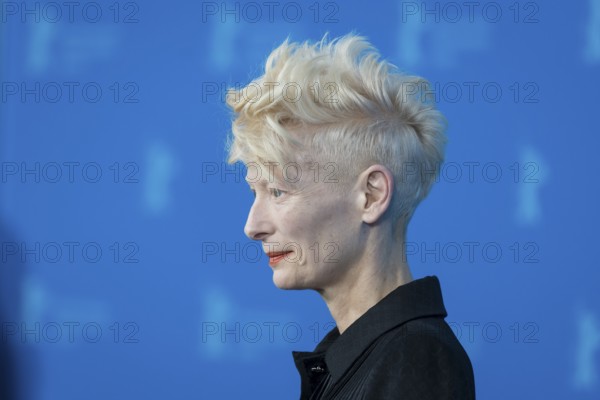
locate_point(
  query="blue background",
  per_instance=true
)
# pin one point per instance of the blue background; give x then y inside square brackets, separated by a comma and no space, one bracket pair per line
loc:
[179,303]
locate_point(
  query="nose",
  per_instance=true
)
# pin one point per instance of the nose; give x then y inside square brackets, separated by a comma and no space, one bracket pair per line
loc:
[257,225]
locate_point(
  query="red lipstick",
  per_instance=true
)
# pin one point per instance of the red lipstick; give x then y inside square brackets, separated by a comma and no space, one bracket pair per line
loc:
[275,257]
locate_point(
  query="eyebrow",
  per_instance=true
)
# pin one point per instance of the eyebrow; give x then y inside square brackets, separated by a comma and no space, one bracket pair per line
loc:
[264,182]
[260,182]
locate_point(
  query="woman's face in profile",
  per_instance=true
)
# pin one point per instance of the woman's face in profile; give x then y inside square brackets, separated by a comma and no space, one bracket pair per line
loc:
[317,227]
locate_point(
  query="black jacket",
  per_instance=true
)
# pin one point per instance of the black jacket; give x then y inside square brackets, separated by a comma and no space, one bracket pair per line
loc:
[401,348]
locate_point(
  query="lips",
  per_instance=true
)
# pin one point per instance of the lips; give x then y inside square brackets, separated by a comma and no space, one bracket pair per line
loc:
[276,256]
[277,253]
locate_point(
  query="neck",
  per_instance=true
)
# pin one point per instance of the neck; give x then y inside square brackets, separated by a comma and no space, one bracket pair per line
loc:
[367,282]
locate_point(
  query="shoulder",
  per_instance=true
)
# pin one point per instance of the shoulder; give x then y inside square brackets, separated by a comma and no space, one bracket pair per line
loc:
[422,359]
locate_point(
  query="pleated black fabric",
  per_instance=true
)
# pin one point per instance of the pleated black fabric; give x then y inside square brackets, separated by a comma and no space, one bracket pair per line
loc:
[401,348]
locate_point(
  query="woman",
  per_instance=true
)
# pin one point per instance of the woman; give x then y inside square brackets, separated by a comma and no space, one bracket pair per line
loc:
[340,149]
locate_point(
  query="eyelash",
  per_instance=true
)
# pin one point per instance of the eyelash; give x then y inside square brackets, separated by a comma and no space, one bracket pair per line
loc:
[272,190]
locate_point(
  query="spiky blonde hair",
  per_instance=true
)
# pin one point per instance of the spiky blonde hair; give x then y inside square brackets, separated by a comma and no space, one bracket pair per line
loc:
[337,101]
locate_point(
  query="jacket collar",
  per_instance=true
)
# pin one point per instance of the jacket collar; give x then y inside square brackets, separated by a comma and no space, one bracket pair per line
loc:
[416,299]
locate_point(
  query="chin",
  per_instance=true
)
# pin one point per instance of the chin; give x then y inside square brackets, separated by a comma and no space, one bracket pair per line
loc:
[280,280]
[284,285]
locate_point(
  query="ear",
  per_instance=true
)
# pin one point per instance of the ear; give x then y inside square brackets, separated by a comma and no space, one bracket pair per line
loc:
[376,187]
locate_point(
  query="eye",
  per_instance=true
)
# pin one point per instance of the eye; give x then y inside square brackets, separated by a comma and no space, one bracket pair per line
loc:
[275,190]
[253,192]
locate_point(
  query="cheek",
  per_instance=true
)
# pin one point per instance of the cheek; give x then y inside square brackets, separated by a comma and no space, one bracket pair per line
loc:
[317,226]
[306,235]
[330,241]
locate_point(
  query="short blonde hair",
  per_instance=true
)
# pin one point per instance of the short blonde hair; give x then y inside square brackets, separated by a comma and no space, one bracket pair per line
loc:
[338,102]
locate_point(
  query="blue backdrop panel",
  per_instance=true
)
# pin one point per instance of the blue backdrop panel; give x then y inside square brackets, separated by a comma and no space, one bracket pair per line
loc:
[125,272]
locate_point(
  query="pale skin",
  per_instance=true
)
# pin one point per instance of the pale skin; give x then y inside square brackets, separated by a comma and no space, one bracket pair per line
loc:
[343,246]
